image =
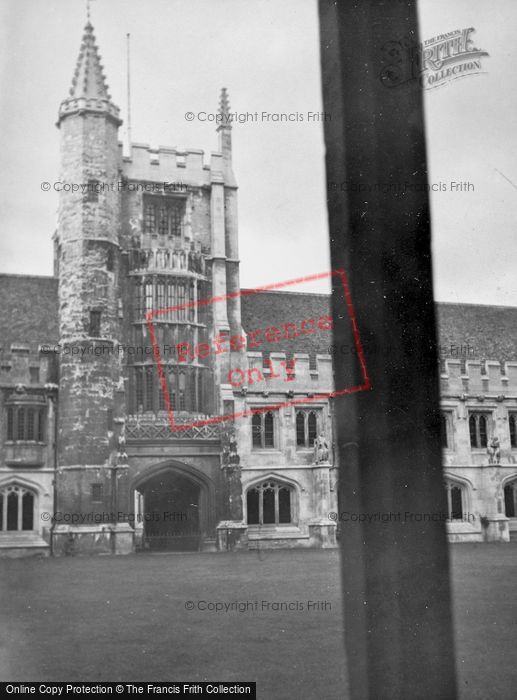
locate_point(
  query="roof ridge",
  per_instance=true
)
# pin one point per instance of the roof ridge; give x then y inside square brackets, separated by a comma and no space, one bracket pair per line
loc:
[281,291]
[19,274]
[469,303]
[329,294]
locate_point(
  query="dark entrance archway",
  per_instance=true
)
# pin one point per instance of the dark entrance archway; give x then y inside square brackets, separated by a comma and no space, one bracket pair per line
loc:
[171,512]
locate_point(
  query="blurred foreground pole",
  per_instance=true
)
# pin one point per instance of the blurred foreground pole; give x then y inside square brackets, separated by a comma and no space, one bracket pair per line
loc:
[398,625]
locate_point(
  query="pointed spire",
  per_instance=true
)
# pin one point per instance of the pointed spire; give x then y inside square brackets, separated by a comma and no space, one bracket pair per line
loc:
[89,88]
[89,79]
[224,130]
[224,110]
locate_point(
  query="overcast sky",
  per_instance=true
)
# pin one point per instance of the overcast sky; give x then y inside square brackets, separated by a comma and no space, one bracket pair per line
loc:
[266,53]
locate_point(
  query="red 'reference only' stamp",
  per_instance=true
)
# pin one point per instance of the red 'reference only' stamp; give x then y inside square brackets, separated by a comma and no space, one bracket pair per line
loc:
[266,360]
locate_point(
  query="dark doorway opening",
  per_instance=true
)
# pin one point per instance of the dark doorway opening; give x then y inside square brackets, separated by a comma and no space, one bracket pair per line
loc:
[171,513]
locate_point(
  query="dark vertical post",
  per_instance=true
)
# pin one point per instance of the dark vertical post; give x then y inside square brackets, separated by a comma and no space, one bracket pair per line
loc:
[398,626]
[114,507]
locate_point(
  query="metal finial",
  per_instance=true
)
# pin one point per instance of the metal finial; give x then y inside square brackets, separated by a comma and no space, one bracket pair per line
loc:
[88,10]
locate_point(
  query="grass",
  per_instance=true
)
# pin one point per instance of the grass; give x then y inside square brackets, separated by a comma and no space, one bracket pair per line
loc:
[485,616]
[124,619]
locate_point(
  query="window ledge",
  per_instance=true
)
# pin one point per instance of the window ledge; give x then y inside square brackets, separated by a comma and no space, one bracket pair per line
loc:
[280,532]
[25,442]
[454,526]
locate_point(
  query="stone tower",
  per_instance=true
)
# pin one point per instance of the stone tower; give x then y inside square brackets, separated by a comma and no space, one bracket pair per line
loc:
[88,266]
[152,231]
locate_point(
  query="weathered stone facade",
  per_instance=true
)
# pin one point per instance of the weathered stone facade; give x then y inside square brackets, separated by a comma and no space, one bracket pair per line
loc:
[88,461]
[485,479]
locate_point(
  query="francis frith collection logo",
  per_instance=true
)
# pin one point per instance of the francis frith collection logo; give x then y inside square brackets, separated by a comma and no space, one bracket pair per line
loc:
[435,62]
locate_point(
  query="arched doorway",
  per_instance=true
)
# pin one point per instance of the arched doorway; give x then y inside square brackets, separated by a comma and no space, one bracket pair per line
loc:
[171,511]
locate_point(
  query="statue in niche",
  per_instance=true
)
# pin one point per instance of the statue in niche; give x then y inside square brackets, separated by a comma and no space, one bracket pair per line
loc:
[494,450]
[321,449]
[121,445]
[333,478]
[230,456]
[234,457]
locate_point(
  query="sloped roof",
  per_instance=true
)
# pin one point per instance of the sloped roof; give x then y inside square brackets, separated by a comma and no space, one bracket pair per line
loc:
[29,315]
[262,310]
[28,311]
[490,331]
[89,79]
[89,90]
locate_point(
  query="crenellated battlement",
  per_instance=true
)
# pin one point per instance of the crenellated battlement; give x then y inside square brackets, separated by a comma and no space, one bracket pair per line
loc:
[281,373]
[171,165]
[479,378]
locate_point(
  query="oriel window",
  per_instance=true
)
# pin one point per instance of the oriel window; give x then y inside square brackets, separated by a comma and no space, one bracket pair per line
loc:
[149,219]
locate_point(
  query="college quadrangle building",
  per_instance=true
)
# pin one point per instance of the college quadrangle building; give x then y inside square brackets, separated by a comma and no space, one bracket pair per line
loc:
[88,460]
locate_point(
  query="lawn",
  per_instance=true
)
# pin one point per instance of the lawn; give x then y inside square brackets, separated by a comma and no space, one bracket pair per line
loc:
[126,619]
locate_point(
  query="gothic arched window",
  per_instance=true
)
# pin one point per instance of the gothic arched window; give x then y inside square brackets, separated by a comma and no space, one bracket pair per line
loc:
[478,428]
[263,430]
[456,500]
[270,503]
[256,430]
[445,425]
[512,422]
[16,508]
[306,427]
[510,499]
